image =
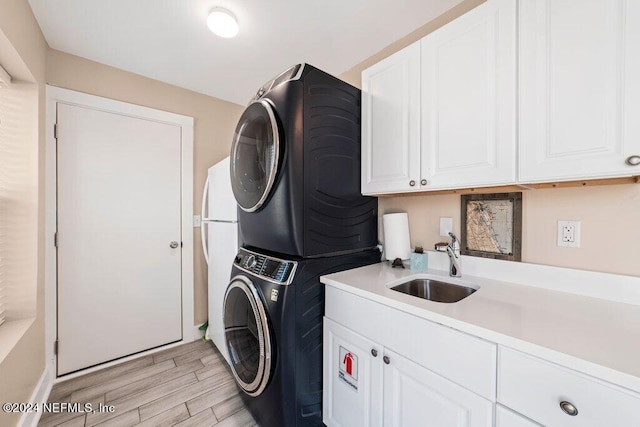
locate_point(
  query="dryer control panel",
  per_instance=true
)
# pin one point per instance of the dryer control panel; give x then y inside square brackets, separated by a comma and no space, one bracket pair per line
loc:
[268,268]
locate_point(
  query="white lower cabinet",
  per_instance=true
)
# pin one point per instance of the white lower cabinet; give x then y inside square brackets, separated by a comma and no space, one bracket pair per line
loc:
[366,384]
[556,396]
[352,378]
[391,368]
[508,418]
[415,396]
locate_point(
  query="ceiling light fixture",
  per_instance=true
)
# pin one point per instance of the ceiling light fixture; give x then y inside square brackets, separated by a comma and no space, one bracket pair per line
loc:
[222,22]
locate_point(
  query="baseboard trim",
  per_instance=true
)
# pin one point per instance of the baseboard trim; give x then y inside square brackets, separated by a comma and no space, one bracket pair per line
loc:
[39,396]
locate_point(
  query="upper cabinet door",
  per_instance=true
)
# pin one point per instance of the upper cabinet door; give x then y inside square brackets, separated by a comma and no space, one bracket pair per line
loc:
[391,123]
[579,88]
[469,99]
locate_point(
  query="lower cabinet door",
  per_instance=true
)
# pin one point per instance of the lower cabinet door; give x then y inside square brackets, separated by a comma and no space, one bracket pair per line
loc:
[415,396]
[352,378]
[507,418]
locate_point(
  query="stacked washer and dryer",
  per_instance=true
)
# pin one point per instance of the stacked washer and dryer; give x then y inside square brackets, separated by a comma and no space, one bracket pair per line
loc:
[295,174]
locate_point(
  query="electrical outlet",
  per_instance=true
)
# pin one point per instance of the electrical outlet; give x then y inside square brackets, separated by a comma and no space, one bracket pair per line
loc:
[569,234]
[196,221]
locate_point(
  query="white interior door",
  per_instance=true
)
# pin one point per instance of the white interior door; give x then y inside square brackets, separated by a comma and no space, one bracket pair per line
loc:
[119,209]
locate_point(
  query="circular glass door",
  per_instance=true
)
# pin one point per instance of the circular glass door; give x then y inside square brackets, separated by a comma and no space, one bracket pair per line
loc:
[254,155]
[247,336]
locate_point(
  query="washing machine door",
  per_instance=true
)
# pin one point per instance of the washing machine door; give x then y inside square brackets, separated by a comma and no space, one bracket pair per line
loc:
[247,336]
[255,155]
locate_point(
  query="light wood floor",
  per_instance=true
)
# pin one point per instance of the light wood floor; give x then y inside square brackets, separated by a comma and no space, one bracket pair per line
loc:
[189,385]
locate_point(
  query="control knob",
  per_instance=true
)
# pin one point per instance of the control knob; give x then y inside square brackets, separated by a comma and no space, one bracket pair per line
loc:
[251,261]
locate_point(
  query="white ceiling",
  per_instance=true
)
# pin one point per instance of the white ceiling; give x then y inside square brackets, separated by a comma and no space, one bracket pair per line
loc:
[168,40]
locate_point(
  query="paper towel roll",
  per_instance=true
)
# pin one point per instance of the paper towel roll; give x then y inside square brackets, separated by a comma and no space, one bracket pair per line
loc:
[396,236]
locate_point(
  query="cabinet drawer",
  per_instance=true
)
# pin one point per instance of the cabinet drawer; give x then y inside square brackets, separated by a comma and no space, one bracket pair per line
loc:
[464,359]
[536,388]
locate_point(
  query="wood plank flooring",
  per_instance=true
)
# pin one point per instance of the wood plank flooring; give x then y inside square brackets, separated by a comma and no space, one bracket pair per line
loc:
[188,385]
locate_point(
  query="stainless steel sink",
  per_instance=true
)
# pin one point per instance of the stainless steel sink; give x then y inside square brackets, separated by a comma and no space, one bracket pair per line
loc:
[434,290]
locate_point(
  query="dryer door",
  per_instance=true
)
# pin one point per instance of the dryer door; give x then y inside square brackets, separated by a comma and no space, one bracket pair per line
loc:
[247,336]
[254,155]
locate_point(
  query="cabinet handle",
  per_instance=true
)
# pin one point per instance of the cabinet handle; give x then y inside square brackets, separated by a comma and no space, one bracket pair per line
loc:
[386,359]
[374,352]
[633,160]
[423,182]
[412,182]
[569,408]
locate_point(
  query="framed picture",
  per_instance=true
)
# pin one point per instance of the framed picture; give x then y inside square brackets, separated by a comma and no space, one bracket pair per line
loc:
[492,225]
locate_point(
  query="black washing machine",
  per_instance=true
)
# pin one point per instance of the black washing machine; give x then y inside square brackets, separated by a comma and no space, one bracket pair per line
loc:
[273,312]
[295,168]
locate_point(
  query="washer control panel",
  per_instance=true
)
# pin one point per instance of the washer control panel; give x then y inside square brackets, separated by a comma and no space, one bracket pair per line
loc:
[266,267]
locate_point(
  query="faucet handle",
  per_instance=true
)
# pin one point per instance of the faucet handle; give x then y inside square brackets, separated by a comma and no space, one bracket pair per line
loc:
[455,243]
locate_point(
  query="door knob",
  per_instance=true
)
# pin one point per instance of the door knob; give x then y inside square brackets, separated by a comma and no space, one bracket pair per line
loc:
[374,352]
[173,244]
[386,360]
[423,182]
[633,160]
[412,183]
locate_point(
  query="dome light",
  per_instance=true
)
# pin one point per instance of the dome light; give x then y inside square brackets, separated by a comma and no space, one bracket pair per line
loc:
[222,22]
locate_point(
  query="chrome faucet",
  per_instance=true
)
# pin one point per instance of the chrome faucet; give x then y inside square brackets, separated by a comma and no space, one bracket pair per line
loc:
[453,250]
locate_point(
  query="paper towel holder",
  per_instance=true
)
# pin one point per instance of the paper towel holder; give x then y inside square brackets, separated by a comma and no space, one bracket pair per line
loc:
[397,263]
[396,235]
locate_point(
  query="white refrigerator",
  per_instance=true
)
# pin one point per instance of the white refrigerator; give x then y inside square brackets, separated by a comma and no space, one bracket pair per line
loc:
[219,230]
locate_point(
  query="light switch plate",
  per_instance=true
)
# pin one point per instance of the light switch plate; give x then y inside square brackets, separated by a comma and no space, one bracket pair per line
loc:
[196,221]
[569,234]
[446,226]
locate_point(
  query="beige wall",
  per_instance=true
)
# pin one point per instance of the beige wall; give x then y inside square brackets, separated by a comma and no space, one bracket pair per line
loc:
[26,59]
[609,214]
[214,123]
[25,55]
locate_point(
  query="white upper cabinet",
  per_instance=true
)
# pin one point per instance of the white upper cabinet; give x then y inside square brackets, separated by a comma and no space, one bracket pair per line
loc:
[441,113]
[579,89]
[512,91]
[468,78]
[391,123]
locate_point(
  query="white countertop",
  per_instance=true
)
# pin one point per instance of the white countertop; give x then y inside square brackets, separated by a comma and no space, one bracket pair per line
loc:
[595,336]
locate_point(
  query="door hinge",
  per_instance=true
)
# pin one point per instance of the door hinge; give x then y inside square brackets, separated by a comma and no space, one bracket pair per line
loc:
[55,347]
[55,131]
[55,239]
